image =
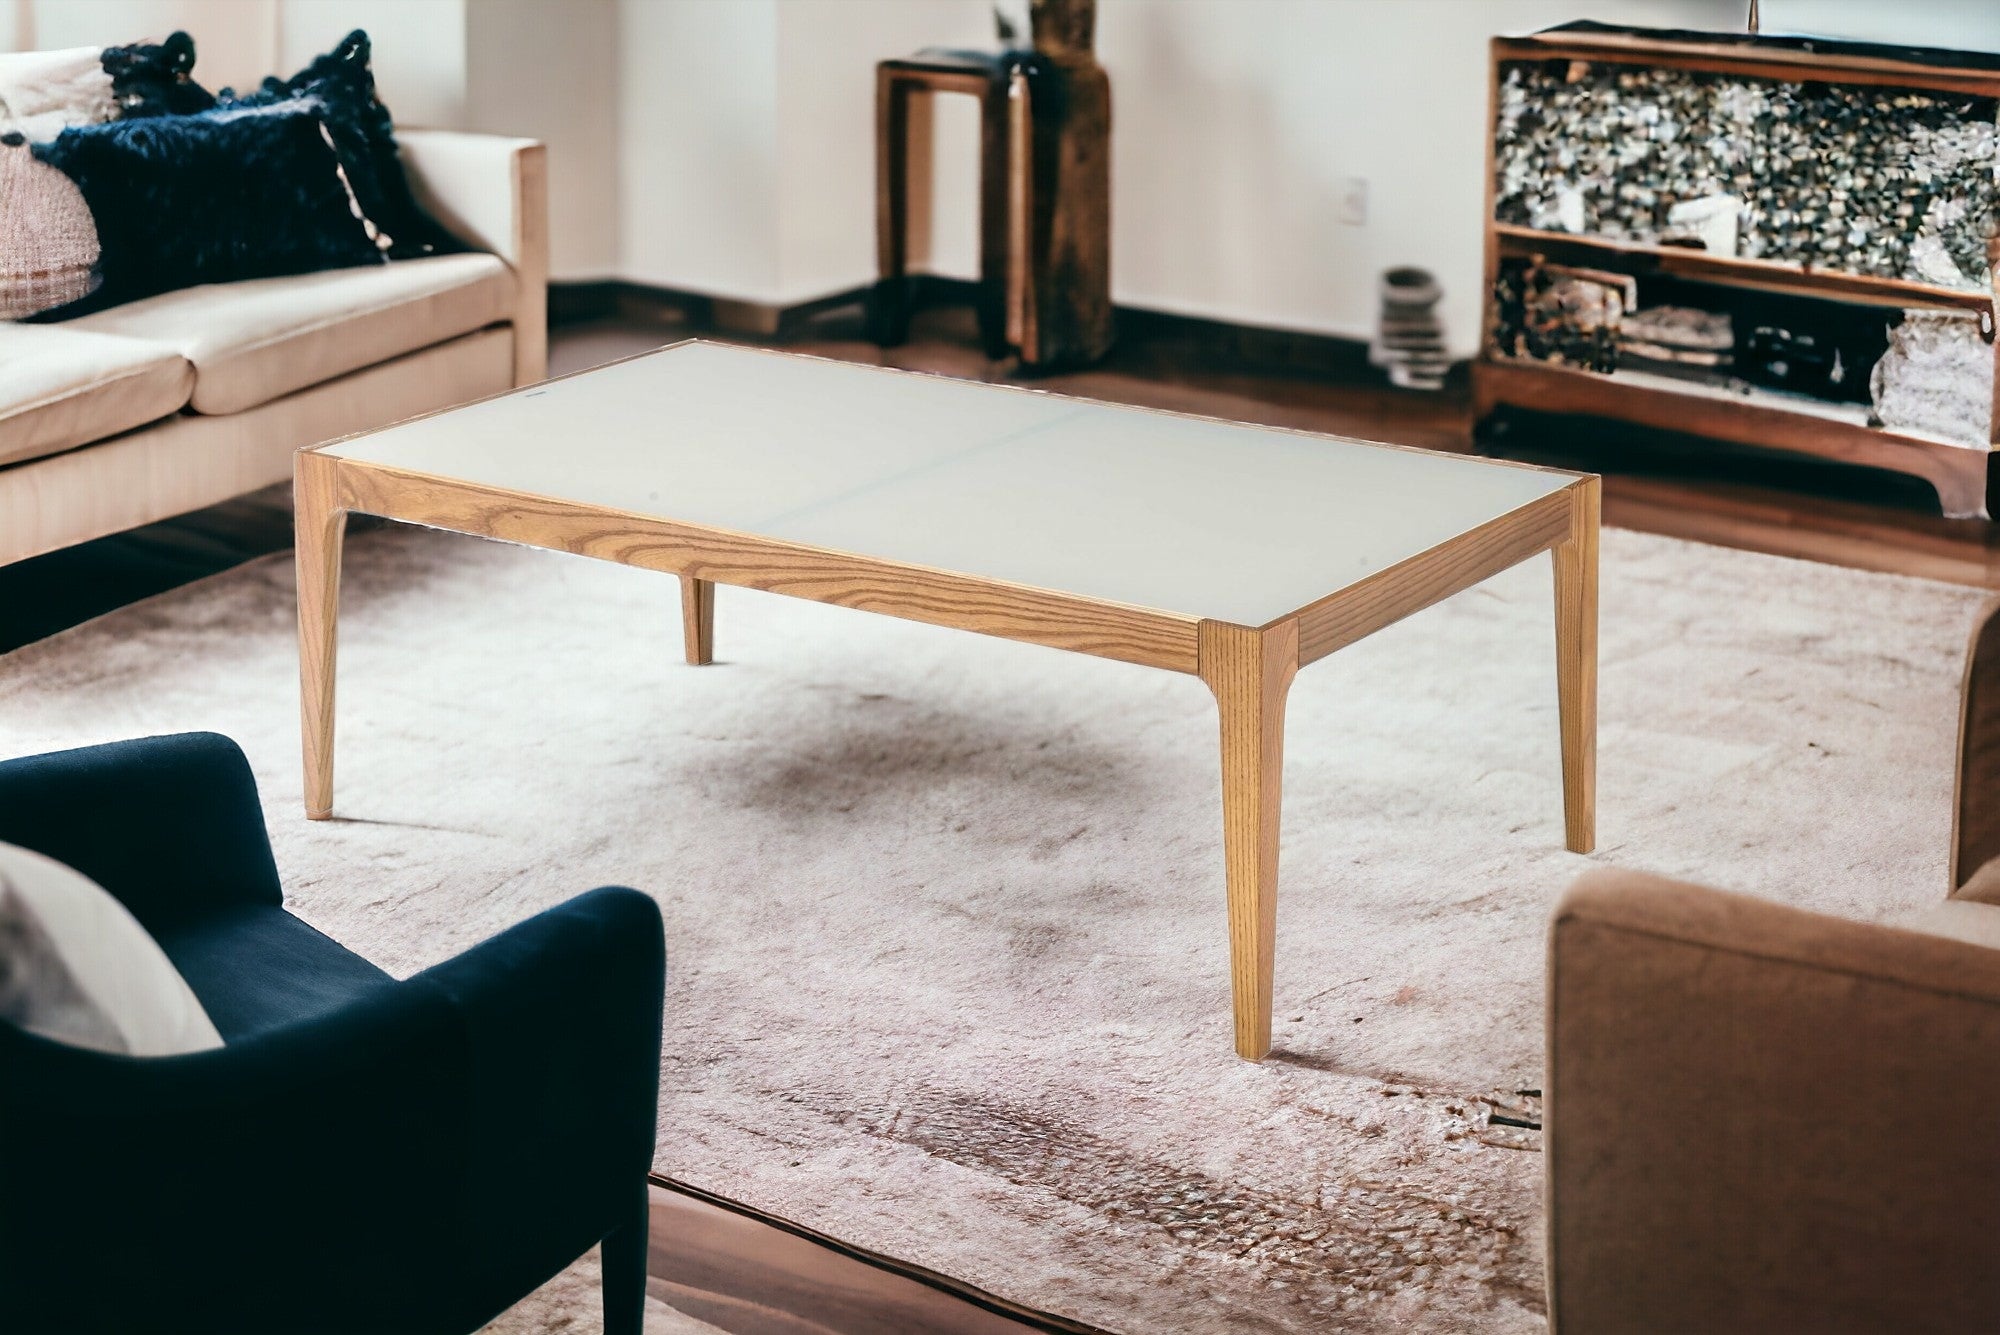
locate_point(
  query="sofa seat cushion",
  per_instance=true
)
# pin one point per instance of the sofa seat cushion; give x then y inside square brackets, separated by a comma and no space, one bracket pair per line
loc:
[1960,919]
[65,387]
[257,968]
[260,340]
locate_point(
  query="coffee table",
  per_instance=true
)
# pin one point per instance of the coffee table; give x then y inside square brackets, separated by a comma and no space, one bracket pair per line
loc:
[1234,553]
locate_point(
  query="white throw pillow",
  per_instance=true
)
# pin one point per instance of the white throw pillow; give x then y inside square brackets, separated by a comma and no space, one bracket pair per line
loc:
[77,967]
[43,93]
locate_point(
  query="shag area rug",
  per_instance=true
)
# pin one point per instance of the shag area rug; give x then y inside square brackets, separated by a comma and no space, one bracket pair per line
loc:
[948,975]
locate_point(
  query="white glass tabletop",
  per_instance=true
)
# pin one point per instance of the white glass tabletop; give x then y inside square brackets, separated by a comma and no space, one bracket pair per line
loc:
[1207,519]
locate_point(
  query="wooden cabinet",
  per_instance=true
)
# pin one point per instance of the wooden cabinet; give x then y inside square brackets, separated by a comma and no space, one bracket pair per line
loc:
[1782,242]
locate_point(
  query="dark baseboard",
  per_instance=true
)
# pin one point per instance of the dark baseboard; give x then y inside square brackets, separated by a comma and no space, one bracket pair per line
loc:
[1225,344]
[1146,336]
[581,301]
[696,312]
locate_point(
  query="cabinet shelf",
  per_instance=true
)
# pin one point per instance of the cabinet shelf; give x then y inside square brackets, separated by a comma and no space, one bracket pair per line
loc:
[1588,85]
[1769,275]
[1767,420]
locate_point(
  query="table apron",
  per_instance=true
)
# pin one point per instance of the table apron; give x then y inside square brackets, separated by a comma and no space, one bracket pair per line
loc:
[990,607]
[1391,594]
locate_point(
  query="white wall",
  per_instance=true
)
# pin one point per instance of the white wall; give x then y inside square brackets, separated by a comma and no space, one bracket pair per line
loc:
[1968,25]
[1236,124]
[418,49]
[826,137]
[556,81]
[234,39]
[727,146]
[698,146]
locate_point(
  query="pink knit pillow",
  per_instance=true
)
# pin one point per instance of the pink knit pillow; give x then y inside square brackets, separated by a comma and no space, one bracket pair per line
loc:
[48,243]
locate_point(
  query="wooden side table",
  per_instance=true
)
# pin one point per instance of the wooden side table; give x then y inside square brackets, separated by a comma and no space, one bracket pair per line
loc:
[983,75]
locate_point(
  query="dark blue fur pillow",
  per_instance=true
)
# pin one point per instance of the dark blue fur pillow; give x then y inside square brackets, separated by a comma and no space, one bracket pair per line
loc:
[211,198]
[364,135]
[152,79]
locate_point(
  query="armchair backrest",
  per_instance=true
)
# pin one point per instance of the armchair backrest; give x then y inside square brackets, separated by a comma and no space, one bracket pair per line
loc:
[171,826]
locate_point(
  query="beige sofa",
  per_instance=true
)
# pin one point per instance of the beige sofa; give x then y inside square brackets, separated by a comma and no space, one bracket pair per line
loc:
[1761,1119]
[179,401]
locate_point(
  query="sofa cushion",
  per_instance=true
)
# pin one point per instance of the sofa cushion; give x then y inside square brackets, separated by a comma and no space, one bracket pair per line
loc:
[66,387]
[217,197]
[1983,886]
[1960,919]
[260,340]
[363,134]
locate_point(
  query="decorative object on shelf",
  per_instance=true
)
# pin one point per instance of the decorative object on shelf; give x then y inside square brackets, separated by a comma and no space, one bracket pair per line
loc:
[1677,340]
[1570,317]
[1409,340]
[1891,181]
[1936,378]
[1810,228]
[1708,223]
[1795,360]
[1045,189]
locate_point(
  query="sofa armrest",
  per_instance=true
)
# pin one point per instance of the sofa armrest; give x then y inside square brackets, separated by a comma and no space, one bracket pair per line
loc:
[1975,834]
[494,192]
[1765,1119]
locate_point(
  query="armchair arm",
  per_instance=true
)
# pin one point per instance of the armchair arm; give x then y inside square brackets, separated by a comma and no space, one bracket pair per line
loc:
[1975,835]
[562,1042]
[493,192]
[417,1161]
[1766,1119]
[171,825]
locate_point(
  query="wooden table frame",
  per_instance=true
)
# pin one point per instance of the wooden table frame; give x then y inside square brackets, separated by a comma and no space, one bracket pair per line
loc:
[1248,668]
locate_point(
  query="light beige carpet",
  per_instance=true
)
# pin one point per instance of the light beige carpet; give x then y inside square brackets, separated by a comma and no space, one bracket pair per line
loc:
[946,937]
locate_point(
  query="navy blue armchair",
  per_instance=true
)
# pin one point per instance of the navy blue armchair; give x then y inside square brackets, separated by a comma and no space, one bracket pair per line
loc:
[364,1154]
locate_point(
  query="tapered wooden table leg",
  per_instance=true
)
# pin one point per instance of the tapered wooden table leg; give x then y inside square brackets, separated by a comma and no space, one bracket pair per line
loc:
[1250,672]
[1576,665]
[322,528]
[698,620]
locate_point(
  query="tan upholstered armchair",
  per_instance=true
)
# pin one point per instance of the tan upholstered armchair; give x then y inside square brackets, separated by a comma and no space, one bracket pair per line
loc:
[1762,1119]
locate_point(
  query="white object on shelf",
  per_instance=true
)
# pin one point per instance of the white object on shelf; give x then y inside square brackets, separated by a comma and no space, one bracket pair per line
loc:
[1713,218]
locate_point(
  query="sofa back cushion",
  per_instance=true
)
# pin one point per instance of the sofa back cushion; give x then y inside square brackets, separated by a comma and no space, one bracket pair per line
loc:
[76,967]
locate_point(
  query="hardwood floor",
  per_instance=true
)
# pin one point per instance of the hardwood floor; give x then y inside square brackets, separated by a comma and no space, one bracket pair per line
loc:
[734,1270]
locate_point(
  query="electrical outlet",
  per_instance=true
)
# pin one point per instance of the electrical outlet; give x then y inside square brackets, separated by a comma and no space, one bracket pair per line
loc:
[1354,201]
